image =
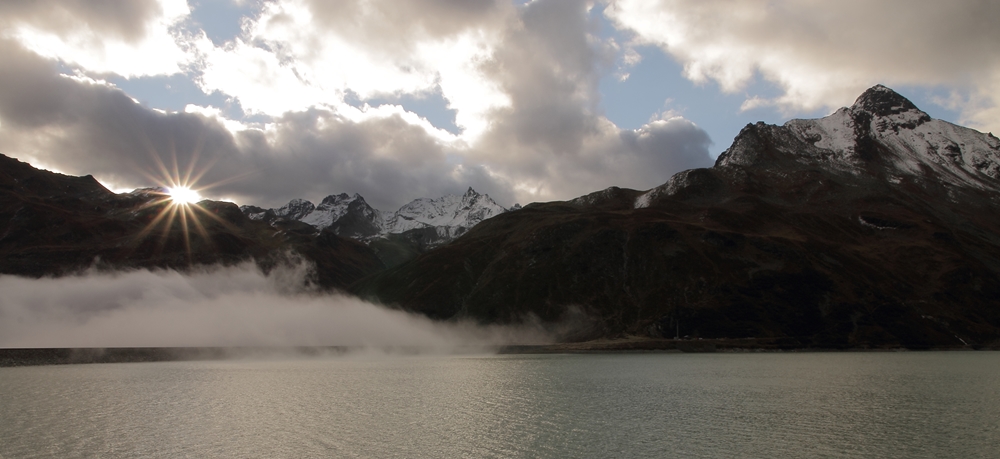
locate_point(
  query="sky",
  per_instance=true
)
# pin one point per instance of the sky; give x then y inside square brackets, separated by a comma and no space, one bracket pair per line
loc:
[259,102]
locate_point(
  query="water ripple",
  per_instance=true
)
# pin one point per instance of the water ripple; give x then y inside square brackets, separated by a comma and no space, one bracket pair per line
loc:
[713,405]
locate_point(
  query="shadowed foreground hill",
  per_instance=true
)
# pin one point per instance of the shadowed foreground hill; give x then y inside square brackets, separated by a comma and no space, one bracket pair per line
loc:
[875,226]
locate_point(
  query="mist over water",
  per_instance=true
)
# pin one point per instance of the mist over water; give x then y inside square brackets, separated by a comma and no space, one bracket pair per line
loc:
[220,306]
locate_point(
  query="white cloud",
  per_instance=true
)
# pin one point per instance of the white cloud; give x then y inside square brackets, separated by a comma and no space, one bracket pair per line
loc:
[216,114]
[367,112]
[823,54]
[259,81]
[131,39]
[299,54]
[469,91]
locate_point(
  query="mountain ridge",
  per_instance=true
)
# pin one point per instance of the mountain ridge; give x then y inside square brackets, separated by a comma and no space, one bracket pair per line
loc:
[874,226]
[53,224]
[448,216]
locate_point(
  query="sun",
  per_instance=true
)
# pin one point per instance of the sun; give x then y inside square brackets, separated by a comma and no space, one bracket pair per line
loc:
[183,195]
[176,204]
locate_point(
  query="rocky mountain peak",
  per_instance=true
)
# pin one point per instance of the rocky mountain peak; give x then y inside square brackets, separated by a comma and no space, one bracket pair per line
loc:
[295,209]
[335,206]
[883,138]
[882,109]
[472,197]
[341,199]
[334,199]
[882,101]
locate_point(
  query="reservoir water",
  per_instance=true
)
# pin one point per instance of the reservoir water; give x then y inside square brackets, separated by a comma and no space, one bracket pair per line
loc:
[782,405]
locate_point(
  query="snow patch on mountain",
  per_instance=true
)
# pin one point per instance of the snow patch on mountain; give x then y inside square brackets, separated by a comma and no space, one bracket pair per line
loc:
[958,155]
[643,200]
[252,214]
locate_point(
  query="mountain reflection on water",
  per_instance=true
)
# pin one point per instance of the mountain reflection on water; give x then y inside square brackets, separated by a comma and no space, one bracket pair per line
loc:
[921,404]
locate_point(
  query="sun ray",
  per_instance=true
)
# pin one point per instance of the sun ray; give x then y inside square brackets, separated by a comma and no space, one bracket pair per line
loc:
[171,212]
[183,210]
[224,223]
[195,154]
[176,201]
[156,220]
[201,173]
[200,228]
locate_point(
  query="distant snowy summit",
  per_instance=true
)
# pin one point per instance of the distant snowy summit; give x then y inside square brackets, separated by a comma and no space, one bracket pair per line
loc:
[350,215]
[883,134]
[882,137]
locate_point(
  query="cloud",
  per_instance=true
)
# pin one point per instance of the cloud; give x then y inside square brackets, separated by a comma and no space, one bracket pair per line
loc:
[317,52]
[87,127]
[131,38]
[553,142]
[823,54]
[234,306]
[386,159]
[523,81]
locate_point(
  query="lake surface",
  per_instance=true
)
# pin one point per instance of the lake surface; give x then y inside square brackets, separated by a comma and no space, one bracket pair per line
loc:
[905,405]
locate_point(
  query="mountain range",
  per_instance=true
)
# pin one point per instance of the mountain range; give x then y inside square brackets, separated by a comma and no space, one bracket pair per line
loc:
[53,224]
[875,226]
[350,216]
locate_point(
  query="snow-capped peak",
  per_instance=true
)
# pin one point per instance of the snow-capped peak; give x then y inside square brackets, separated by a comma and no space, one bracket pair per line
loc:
[447,211]
[350,215]
[882,101]
[295,209]
[335,206]
[884,134]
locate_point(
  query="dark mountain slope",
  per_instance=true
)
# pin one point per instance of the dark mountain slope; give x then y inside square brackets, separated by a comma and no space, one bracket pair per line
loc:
[54,224]
[876,226]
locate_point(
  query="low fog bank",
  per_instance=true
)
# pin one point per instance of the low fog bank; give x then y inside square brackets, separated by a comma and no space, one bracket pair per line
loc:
[222,307]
